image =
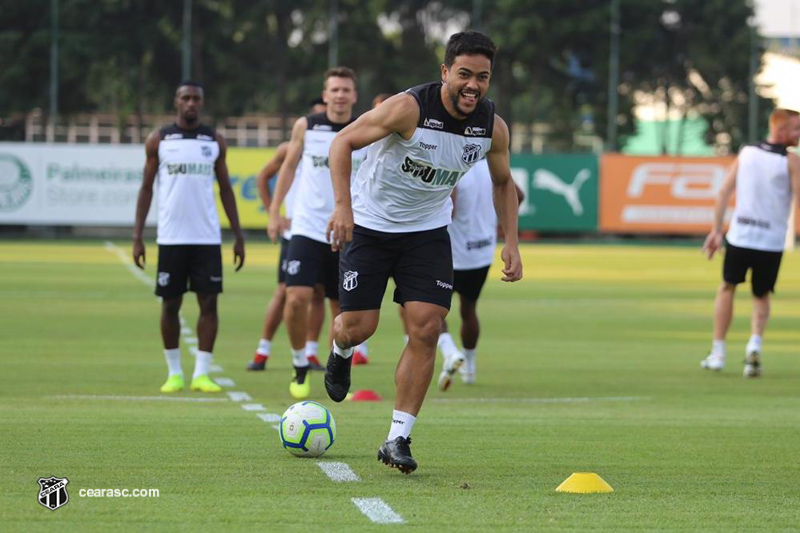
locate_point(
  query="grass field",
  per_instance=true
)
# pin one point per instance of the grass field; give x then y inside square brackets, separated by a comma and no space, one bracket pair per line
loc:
[623,327]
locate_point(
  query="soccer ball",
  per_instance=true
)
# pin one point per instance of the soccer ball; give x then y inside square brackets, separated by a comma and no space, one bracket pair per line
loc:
[307,429]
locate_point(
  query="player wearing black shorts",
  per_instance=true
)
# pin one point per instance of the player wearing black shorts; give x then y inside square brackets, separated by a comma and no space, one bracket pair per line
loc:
[763,176]
[421,143]
[310,262]
[187,157]
[274,313]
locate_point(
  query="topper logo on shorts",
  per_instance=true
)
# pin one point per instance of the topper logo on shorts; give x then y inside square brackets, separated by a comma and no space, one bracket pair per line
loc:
[471,153]
[430,175]
[350,280]
[293,267]
[444,285]
[163,279]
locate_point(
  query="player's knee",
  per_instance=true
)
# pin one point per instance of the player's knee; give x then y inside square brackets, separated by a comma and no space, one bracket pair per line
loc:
[427,331]
[208,304]
[296,301]
[351,330]
[171,306]
[727,287]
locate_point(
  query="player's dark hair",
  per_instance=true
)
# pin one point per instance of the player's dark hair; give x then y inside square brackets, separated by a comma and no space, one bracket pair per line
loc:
[190,83]
[468,43]
[316,101]
[339,72]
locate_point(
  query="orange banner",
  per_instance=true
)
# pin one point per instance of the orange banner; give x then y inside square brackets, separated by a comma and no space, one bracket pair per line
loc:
[659,194]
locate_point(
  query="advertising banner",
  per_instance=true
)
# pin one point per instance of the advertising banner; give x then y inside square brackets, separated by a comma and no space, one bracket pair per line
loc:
[560,191]
[243,167]
[671,195]
[70,184]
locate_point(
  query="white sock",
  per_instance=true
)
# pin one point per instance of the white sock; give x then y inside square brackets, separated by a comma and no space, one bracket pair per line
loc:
[447,345]
[402,423]
[173,357]
[299,357]
[202,362]
[363,348]
[718,348]
[311,348]
[405,339]
[343,353]
[754,344]
[470,356]
[264,346]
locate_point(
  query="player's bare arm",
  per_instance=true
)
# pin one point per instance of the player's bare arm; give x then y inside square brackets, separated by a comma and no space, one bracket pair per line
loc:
[294,151]
[228,199]
[506,201]
[145,196]
[713,241]
[794,176]
[399,115]
[270,169]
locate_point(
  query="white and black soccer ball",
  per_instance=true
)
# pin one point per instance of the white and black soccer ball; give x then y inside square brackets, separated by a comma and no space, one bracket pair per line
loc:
[307,429]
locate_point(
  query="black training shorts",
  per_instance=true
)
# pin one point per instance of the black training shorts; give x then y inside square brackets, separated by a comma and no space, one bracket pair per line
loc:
[468,283]
[282,260]
[764,267]
[198,265]
[420,262]
[310,263]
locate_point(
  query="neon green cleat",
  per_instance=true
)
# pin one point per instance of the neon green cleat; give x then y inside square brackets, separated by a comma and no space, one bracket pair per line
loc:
[204,384]
[300,386]
[174,383]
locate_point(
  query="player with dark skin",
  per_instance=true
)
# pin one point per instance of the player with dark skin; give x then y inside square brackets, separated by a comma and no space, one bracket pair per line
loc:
[189,106]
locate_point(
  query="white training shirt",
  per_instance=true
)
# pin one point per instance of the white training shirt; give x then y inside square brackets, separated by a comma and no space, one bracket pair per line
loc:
[187,210]
[313,204]
[405,186]
[288,200]
[473,233]
[763,198]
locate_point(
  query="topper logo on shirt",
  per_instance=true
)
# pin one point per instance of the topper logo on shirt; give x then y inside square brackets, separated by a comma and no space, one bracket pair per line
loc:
[322,127]
[430,175]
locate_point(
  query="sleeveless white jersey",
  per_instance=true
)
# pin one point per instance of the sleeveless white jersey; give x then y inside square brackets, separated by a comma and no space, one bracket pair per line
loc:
[288,200]
[405,186]
[473,233]
[763,198]
[313,205]
[187,210]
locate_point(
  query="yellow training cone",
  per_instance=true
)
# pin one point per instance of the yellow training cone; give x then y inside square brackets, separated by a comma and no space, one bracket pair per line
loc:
[584,483]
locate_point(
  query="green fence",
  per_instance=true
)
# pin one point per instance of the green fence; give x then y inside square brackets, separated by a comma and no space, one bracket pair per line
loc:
[560,191]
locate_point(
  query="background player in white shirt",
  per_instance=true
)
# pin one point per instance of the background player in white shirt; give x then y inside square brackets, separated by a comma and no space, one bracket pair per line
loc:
[187,157]
[274,314]
[764,177]
[473,237]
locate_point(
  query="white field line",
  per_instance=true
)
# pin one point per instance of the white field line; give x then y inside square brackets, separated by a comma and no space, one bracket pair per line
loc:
[136,398]
[225,382]
[133,269]
[338,472]
[269,417]
[276,427]
[214,368]
[377,510]
[238,396]
[186,330]
[543,400]
[253,407]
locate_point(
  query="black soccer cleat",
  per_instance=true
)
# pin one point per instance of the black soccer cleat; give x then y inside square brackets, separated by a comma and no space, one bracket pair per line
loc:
[256,367]
[397,454]
[337,377]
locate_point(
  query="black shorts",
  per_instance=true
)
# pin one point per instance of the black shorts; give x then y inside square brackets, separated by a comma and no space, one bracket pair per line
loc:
[310,263]
[282,260]
[420,262]
[468,283]
[199,265]
[764,267]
